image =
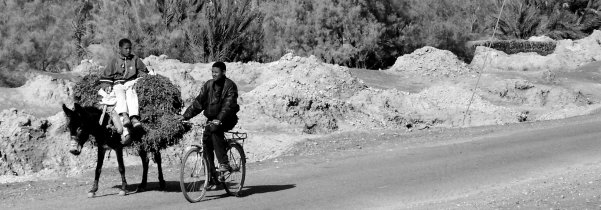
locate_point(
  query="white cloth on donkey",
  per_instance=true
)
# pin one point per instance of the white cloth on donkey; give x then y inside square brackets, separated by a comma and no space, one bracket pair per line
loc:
[110,99]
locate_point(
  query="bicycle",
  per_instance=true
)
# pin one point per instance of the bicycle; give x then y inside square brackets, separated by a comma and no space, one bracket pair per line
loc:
[197,175]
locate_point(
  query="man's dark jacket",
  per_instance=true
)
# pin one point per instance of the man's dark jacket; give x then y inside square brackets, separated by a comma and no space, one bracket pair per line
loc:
[222,108]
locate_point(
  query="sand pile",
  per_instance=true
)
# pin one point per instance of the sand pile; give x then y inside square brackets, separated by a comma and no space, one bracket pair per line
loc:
[87,66]
[491,59]
[31,145]
[303,92]
[440,105]
[524,92]
[537,101]
[42,94]
[568,55]
[46,90]
[431,62]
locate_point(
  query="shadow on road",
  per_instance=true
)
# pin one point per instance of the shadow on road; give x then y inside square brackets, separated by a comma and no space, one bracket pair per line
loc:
[173,186]
[258,189]
[170,186]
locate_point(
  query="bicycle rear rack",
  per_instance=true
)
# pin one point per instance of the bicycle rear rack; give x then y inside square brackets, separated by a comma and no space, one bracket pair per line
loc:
[238,137]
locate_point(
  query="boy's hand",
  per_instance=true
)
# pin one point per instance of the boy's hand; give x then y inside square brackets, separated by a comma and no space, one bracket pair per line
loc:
[216,122]
[106,87]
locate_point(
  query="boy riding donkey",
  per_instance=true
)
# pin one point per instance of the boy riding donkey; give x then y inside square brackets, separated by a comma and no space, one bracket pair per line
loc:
[117,83]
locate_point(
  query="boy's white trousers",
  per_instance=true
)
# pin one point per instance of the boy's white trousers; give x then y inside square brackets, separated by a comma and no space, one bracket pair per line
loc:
[127,98]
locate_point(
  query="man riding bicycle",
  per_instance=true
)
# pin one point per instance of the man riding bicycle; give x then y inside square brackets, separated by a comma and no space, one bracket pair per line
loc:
[218,98]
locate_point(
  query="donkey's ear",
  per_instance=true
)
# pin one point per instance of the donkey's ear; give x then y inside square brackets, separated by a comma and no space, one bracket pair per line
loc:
[79,110]
[67,111]
[78,107]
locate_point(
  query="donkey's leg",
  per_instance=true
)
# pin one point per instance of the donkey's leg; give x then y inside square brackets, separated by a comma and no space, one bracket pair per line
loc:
[99,163]
[144,156]
[157,159]
[119,153]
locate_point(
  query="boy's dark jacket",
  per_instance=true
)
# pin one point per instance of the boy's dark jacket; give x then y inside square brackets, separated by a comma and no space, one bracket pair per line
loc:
[122,69]
[222,108]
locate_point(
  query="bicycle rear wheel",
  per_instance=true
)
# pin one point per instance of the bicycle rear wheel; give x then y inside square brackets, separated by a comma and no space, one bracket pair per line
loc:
[194,175]
[234,179]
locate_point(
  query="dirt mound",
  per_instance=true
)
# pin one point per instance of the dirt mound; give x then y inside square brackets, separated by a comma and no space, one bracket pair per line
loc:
[568,55]
[30,145]
[524,92]
[535,100]
[431,62]
[42,94]
[86,67]
[440,105]
[46,90]
[491,59]
[303,92]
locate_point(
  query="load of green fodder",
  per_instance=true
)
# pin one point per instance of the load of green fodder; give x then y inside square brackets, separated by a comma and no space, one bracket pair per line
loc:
[160,103]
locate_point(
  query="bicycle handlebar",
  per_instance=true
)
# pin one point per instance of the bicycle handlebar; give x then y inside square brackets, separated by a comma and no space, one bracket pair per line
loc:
[198,124]
[235,134]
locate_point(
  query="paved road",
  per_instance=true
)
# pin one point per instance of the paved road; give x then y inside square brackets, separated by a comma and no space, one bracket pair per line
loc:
[389,177]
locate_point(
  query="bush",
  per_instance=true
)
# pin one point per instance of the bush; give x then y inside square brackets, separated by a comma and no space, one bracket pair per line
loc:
[160,103]
[351,33]
[36,35]
[11,79]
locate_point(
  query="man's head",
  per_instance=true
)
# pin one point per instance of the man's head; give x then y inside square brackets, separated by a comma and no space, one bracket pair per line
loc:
[218,70]
[125,47]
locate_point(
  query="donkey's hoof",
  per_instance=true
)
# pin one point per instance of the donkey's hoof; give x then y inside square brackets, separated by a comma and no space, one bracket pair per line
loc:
[140,189]
[91,194]
[122,192]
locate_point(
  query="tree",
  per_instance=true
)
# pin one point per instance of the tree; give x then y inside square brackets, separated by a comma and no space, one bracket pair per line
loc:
[35,35]
[520,19]
[225,30]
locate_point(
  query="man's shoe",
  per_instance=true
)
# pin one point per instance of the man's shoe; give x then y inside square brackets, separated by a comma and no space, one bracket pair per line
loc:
[135,122]
[224,168]
[125,119]
[213,185]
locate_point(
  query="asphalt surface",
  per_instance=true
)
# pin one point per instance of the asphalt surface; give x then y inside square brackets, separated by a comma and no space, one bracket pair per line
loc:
[392,176]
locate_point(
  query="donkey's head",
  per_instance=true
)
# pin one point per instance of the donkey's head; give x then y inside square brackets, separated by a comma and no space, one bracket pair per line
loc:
[79,127]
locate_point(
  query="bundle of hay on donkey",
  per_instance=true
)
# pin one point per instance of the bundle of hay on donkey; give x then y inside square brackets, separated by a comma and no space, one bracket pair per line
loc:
[160,103]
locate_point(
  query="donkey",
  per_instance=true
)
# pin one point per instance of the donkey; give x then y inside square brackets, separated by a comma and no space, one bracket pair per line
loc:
[83,122]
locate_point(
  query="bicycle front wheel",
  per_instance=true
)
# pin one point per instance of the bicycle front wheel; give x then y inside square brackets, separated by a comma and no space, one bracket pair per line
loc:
[194,175]
[234,179]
